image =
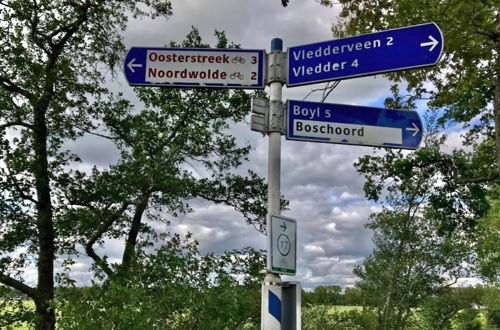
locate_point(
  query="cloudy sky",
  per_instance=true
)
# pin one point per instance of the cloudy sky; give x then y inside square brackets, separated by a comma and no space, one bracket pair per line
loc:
[319,180]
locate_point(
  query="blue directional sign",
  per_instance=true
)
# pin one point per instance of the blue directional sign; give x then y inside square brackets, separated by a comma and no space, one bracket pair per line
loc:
[195,67]
[353,125]
[391,50]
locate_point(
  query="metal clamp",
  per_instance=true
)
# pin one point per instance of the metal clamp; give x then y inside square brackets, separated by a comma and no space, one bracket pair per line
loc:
[276,117]
[276,68]
[267,116]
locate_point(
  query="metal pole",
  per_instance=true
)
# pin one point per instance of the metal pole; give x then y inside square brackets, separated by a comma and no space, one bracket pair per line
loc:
[274,165]
[271,289]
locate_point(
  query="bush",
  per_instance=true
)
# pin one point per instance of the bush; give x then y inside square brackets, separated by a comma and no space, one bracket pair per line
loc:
[323,317]
[175,288]
[493,318]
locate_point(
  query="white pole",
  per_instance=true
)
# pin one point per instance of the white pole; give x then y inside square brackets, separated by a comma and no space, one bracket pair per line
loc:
[271,289]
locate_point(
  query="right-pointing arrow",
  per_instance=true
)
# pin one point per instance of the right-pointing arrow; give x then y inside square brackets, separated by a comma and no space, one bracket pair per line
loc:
[433,43]
[414,129]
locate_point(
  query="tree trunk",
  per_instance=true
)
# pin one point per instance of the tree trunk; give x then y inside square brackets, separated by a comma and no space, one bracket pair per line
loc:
[496,102]
[45,225]
[131,243]
[45,316]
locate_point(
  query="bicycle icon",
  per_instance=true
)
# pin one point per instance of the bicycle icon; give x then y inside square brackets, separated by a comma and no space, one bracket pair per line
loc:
[235,75]
[238,59]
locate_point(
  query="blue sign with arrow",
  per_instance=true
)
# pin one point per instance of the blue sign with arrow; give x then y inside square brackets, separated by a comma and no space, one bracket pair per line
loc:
[353,125]
[195,67]
[391,50]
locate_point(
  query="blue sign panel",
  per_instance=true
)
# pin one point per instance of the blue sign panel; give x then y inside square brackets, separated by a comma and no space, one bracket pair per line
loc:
[353,125]
[195,67]
[391,50]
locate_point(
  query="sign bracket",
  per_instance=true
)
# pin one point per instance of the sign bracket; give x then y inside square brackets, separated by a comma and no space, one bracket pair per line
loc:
[276,67]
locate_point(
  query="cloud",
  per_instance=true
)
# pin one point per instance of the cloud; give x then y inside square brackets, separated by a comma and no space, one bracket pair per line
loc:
[250,23]
[325,191]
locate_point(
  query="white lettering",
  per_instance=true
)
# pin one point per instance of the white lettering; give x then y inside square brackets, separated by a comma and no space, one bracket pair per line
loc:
[328,50]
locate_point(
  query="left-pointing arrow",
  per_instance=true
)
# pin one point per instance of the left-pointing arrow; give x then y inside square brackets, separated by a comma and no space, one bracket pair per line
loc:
[131,65]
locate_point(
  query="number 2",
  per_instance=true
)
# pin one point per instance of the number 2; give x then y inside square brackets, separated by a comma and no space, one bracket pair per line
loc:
[389,41]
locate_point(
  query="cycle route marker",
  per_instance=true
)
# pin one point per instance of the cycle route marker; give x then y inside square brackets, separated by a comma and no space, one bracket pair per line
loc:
[283,245]
[195,67]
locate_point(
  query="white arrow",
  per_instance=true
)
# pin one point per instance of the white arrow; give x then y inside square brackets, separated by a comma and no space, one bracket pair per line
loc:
[433,43]
[414,129]
[131,65]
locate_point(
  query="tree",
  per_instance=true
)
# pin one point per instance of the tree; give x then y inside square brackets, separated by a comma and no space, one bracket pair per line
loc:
[423,234]
[51,63]
[327,3]
[452,305]
[463,90]
[323,295]
[465,85]
[178,131]
[352,297]
[47,207]
[488,245]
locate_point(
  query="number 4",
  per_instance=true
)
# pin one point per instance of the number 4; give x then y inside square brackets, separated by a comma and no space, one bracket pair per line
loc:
[355,63]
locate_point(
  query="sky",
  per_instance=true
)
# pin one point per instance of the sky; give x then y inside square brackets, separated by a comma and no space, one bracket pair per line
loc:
[325,191]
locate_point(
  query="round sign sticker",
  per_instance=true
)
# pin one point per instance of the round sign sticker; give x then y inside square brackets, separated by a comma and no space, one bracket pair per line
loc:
[283,244]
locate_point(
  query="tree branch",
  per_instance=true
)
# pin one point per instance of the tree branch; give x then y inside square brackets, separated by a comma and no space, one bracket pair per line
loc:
[18,285]
[17,123]
[5,4]
[71,29]
[326,90]
[103,228]
[10,86]
[97,134]
[479,180]
[34,28]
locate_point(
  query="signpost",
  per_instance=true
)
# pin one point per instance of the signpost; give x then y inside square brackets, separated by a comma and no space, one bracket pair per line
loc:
[283,245]
[391,50]
[354,125]
[195,67]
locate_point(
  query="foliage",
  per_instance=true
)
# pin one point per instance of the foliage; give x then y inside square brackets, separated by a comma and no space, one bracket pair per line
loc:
[422,235]
[488,247]
[55,57]
[352,297]
[323,295]
[452,306]
[327,3]
[492,304]
[441,206]
[175,150]
[464,83]
[16,312]
[322,317]
[173,288]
